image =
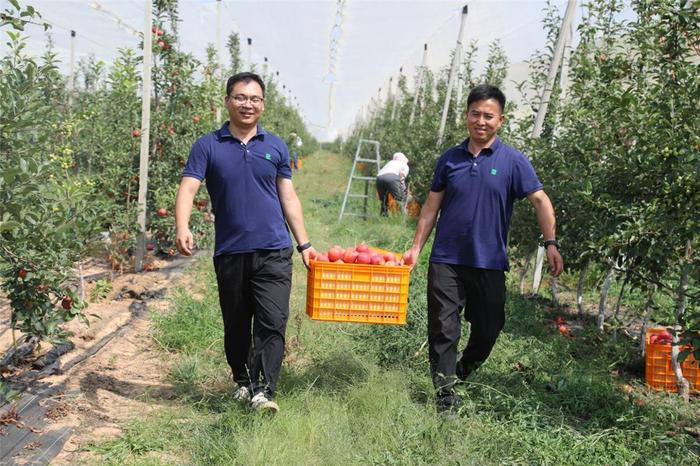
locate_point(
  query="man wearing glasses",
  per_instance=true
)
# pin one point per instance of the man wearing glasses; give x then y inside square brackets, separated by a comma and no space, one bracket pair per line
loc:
[474,187]
[248,178]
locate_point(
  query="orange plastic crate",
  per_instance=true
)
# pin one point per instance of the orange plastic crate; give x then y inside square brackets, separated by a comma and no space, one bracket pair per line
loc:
[658,371]
[361,293]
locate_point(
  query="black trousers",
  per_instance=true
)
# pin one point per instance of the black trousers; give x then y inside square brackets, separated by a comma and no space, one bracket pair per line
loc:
[254,289]
[390,184]
[482,295]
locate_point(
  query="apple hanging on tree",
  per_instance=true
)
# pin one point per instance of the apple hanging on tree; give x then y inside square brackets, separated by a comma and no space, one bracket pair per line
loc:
[67,302]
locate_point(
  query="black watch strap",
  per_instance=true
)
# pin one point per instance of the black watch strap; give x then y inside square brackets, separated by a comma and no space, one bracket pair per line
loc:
[550,242]
[303,247]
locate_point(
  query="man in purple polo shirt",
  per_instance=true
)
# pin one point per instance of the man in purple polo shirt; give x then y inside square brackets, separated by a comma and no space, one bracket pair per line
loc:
[473,189]
[248,178]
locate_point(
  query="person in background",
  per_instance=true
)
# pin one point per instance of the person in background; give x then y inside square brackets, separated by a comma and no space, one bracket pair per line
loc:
[392,179]
[294,142]
[473,190]
[248,178]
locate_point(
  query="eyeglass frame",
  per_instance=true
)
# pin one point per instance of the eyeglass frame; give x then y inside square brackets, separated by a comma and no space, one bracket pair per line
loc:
[241,99]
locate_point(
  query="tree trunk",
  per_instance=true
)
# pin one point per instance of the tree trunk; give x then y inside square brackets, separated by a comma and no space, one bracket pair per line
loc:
[648,308]
[579,289]
[683,386]
[615,317]
[523,273]
[604,296]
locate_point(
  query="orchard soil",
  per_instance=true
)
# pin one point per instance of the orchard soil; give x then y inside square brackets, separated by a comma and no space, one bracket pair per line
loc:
[127,375]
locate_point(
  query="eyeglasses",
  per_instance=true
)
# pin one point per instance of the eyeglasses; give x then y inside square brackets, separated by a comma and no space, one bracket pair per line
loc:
[240,99]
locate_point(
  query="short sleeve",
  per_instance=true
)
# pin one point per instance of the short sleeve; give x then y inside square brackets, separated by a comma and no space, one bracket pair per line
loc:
[197,162]
[284,169]
[525,180]
[439,176]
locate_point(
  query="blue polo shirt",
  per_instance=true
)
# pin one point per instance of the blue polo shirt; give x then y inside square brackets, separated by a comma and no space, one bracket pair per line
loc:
[478,203]
[242,184]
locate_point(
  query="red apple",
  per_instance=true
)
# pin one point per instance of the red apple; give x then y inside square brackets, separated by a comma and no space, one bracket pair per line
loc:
[154,29]
[67,302]
[21,273]
[350,255]
[363,258]
[313,254]
[322,258]
[136,133]
[195,118]
[362,248]
[389,257]
[377,259]
[162,44]
[334,254]
[150,246]
[162,212]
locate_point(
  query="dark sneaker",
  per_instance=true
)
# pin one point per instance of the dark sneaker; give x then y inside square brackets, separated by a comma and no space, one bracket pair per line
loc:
[462,370]
[448,403]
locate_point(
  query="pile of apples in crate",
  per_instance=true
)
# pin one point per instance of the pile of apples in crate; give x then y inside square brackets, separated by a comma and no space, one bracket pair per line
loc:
[662,338]
[361,254]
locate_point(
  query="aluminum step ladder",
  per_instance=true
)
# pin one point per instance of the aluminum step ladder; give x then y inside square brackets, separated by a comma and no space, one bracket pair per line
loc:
[366,179]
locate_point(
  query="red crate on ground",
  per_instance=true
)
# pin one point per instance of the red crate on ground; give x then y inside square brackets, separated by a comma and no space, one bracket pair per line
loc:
[658,371]
[359,293]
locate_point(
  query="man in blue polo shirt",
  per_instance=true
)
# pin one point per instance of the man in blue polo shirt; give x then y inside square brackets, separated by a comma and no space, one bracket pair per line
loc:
[473,189]
[248,178]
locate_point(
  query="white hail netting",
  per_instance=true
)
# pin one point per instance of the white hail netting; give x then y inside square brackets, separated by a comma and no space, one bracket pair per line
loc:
[333,56]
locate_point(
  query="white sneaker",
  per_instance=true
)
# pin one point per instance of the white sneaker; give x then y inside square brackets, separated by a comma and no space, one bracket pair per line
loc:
[241,394]
[261,402]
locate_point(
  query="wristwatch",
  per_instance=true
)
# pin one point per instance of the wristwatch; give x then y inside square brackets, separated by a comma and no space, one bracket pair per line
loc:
[551,242]
[303,247]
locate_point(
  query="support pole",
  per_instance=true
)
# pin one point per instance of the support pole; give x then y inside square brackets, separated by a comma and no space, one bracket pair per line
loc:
[219,57]
[250,53]
[453,75]
[460,86]
[419,84]
[553,68]
[71,76]
[145,130]
[566,26]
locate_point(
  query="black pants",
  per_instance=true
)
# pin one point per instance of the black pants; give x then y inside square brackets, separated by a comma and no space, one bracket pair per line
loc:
[482,295]
[254,289]
[390,184]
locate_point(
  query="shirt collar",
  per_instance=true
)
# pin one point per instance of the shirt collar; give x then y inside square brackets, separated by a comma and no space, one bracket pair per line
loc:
[487,150]
[225,132]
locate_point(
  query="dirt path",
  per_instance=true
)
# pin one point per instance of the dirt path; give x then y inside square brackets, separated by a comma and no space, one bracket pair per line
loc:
[114,371]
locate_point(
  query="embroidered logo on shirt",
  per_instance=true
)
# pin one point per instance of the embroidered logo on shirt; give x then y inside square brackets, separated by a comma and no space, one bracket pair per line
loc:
[268,157]
[494,171]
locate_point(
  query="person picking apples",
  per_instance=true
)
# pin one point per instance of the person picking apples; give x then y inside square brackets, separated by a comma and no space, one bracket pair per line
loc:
[473,190]
[248,177]
[392,179]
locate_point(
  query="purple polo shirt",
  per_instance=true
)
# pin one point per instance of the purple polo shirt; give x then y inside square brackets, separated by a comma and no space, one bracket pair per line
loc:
[242,184]
[478,203]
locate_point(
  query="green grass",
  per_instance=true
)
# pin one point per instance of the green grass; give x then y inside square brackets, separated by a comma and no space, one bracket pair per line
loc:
[361,394]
